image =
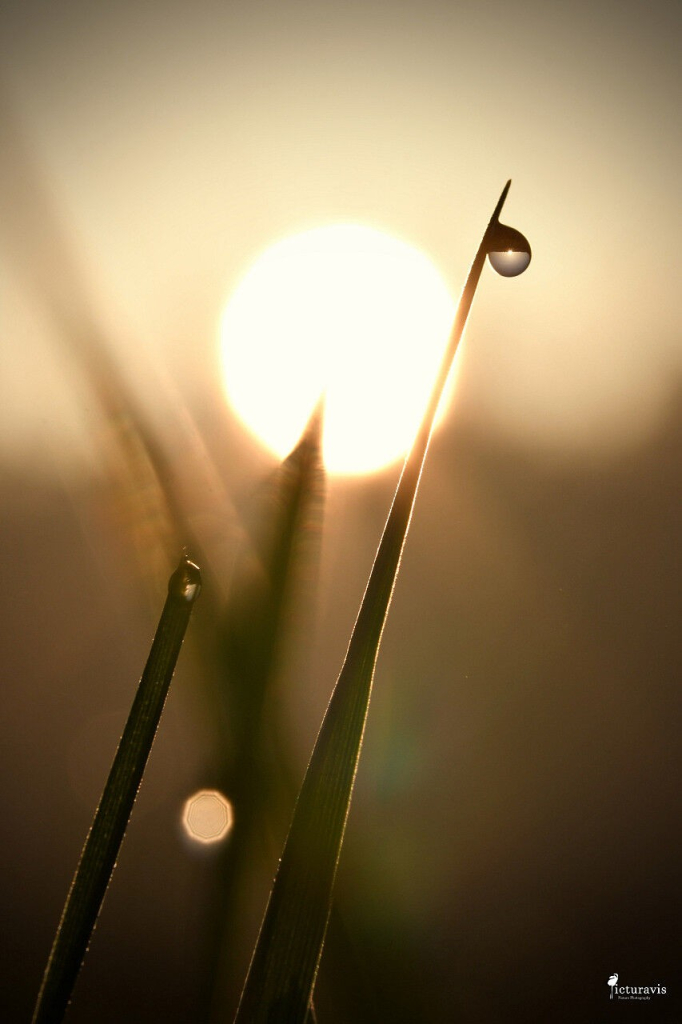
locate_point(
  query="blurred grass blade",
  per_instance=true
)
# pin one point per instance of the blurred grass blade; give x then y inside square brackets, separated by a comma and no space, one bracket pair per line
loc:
[111,818]
[286,542]
[271,590]
[46,261]
[281,977]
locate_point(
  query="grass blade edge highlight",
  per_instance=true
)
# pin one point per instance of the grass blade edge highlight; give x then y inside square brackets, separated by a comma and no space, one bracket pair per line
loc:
[103,842]
[284,965]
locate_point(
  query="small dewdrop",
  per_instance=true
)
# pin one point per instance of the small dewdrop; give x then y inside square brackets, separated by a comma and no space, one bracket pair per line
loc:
[207,816]
[185,582]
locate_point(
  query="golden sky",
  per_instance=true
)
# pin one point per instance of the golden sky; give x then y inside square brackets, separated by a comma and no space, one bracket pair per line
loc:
[179,142]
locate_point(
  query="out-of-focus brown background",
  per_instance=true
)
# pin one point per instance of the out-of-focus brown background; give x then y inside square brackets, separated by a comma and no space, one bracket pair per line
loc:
[515,835]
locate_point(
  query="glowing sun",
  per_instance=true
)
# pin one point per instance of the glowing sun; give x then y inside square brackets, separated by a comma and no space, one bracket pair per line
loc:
[347,311]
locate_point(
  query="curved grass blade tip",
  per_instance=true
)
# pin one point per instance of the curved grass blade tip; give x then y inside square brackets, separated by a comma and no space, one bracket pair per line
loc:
[103,843]
[280,982]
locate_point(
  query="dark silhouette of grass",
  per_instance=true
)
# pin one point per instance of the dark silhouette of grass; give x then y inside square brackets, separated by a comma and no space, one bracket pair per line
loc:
[282,974]
[104,840]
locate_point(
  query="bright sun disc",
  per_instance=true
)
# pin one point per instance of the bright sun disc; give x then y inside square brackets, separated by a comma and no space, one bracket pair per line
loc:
[348,311]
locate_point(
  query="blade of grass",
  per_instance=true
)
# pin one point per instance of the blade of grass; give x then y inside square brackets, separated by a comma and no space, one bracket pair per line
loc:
[254,636]
[102,845]
[280,981]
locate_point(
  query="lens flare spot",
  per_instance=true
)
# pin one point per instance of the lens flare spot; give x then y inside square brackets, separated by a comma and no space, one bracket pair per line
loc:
[207,816]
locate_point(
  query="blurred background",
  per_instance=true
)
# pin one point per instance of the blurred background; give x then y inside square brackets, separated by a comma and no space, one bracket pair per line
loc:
[515,835]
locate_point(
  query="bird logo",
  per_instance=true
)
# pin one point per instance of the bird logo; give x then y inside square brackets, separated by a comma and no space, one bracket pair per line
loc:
[613,980]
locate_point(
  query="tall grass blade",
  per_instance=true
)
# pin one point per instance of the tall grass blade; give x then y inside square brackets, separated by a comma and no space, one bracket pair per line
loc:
[111,818]
[280,981]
